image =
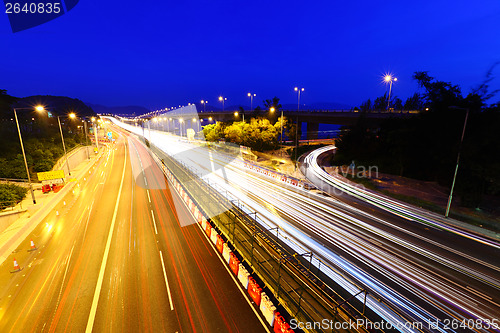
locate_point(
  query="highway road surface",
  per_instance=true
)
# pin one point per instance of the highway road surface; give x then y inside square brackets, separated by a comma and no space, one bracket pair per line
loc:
[113,257]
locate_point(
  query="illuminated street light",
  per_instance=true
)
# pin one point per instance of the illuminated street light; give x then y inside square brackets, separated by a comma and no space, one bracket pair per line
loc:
[299,90]
[222,99]
[38,108]
[389,79]
[204,104]
[209,118]
[251,99]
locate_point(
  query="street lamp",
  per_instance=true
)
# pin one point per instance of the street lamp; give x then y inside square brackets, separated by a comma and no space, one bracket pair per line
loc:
[389,79]
[72,116]
[251,99]
[222,99]
[299,90]
[39,109]
[204,104]
[93,119]
[458,158]
[194,120]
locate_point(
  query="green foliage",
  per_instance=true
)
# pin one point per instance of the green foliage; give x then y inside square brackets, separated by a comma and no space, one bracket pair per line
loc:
[258,134]
[11,194]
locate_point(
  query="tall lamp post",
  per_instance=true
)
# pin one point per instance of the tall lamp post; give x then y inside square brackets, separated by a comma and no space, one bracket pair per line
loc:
[458,158]
[389,79]
[72,116]
[93,119]
[297,139]
[204,104]
[251,100]
[299,90]
[222,99]
[86,137]
[39,109]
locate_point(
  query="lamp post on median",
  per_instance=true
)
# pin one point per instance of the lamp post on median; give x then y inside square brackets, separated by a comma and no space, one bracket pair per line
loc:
[39,109]
[222,99]
[204,104]
[458,158]
[389,79]
[251,100]
[72,116]
[298,90]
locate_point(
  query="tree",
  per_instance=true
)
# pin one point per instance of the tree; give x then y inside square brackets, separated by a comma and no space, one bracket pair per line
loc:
[366,106]
[397,104]
[274,102]
[439,95]
[415,102]
[380,103]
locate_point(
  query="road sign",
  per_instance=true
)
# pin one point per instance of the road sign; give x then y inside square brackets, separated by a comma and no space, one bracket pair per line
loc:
[110,136]
[49,175]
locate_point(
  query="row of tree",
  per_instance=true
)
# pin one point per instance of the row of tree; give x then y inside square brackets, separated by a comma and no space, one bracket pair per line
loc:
[426,146]
[415,102]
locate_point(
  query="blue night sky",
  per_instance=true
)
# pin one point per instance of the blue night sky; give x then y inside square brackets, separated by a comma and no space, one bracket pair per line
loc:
[163,53]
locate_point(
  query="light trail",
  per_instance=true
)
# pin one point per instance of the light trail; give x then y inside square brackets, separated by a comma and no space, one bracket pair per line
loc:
[314,223]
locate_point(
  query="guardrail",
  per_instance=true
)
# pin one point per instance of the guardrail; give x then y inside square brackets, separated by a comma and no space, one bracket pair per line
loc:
[297,281]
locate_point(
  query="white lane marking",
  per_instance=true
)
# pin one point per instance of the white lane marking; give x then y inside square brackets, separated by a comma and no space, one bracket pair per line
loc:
[93,309]
[62,283]
[166,283]
[154,222]
[149,198]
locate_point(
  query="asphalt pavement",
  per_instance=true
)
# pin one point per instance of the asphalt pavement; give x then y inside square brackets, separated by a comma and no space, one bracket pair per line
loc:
[113,257]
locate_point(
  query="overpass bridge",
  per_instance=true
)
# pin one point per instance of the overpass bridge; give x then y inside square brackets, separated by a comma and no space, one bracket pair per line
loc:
[312,117]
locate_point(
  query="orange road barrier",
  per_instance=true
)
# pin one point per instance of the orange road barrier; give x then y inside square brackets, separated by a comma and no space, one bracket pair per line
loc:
[219,243]
[280,325]
[254,290]
[208,229]
[234,263]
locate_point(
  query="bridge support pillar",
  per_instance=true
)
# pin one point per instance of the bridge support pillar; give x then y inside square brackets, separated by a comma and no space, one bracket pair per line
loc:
[312,130]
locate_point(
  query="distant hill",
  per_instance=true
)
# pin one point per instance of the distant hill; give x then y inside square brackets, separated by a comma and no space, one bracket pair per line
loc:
[57,105]
[131,110]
